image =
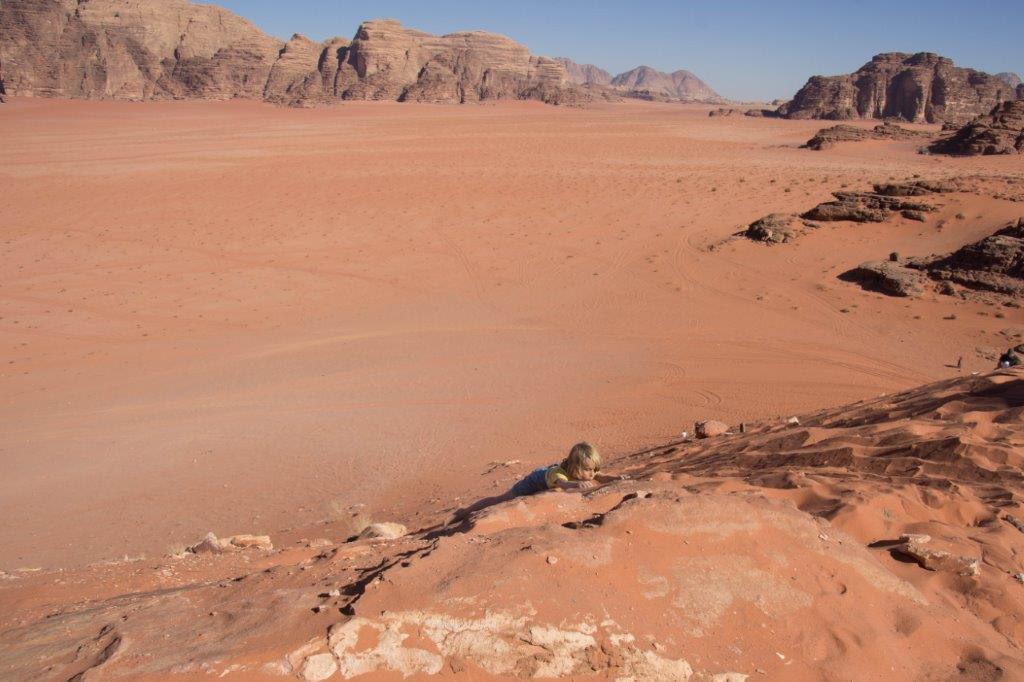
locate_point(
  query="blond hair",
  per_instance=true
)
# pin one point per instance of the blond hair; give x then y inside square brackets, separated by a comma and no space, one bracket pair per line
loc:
[582,456]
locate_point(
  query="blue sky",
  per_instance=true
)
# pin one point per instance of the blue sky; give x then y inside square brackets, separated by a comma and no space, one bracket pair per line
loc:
[745,50]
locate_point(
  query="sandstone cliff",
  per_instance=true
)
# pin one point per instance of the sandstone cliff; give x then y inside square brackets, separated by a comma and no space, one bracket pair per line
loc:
[647,83]
[149,49]
[584,74]
[923,87]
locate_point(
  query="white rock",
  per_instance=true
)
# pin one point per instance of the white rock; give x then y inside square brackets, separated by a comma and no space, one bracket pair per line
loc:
[319,667]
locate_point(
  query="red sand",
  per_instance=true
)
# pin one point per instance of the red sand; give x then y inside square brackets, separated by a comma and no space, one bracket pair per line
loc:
[240,318]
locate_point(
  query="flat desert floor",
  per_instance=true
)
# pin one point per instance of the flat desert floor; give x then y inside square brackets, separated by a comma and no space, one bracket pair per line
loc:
[241,318]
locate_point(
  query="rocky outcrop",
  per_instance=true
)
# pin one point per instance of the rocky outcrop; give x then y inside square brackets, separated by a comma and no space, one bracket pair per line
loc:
[866,207]
[923,87]
[993,265]
[584,74]
[643,82]
[1001,131]
[172,49]
[776,228]
[887,277]
[826,138]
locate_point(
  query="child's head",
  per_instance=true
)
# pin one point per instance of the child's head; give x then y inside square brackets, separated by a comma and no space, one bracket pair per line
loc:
[583,462]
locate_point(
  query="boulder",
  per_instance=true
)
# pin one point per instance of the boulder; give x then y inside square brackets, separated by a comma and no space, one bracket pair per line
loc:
[919,88]
[384,531]
[710,428]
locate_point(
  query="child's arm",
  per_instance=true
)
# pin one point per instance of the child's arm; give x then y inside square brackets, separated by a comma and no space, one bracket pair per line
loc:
[573,485]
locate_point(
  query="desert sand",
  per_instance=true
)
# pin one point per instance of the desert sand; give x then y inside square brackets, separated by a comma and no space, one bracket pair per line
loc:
[233,317]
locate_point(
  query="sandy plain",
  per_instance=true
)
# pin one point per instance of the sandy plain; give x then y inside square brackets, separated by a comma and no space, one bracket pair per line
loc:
[241,318]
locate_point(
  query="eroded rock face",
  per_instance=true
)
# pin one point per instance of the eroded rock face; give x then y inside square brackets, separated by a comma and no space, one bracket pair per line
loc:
[1001,131]
[145,49]
[922,87]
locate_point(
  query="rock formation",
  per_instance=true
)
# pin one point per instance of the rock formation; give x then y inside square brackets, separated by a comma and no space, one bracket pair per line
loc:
[866,207]
[777,228]
[171,49]
[882,203]
[923,87]
[826,138]
[995,263]
[887,277]
[992,265]
[1001,131]
[646,83]
[584,74]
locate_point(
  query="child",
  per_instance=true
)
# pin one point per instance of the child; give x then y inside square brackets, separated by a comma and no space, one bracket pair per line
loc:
[579,471]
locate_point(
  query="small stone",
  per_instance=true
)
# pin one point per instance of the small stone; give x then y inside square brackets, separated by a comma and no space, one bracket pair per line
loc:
[552,560]
[793,421]
[319,667]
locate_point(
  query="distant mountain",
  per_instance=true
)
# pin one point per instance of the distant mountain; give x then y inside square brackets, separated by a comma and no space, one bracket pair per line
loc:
[922,87]
[1010,78]
[584,74]
[648,83]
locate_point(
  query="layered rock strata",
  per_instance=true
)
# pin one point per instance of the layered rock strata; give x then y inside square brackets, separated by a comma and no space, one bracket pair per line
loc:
[922,87]
[143,49]
[1001,131]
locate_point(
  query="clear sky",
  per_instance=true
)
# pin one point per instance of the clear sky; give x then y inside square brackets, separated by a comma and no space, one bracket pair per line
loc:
[745,50]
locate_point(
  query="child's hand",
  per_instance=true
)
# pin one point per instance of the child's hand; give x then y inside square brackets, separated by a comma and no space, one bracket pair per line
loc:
[585,485]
